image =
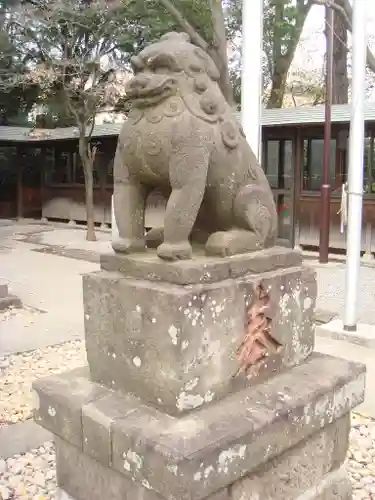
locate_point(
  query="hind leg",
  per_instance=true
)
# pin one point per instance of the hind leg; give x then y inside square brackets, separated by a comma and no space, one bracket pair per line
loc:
[255,224]
[232,242]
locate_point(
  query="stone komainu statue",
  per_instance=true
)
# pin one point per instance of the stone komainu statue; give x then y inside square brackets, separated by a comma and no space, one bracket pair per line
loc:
[182,137]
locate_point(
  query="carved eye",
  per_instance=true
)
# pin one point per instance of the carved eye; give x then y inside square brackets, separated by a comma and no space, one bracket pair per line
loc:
[161,69]
[137,64]
[195,68]
[163,63]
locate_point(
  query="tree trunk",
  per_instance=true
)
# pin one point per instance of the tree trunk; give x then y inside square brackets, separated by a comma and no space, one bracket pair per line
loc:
[219,51]
[87,164]
[220,43]
[282,57]
[276,97]
[340,88]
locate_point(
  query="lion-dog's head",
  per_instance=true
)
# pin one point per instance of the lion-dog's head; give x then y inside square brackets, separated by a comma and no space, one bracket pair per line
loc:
[171,65]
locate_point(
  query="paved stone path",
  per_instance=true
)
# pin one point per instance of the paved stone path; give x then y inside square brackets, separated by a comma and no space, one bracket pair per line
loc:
[50,287]
[331,287]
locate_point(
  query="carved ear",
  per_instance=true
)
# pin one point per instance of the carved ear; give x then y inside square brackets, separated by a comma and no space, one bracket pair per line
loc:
[209,65]
[176,35]
[137,63]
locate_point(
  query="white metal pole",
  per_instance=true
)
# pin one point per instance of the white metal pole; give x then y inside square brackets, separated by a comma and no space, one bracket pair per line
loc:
[355,174]
[114,230]
[251,82]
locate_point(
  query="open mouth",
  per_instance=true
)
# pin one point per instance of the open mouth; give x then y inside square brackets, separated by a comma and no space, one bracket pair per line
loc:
[137,89]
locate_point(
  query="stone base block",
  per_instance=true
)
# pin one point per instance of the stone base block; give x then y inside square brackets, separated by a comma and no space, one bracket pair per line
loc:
[283,439]
[177,346]
[7,300]
[310,471]
[200,269]
[3,290]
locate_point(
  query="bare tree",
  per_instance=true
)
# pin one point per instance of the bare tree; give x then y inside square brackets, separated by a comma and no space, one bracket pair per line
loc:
[306,88]
[344,9]
[71,46]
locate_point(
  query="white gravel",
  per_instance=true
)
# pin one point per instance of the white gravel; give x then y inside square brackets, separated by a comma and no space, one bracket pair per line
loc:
[361,458]
[32,476]
[17,373]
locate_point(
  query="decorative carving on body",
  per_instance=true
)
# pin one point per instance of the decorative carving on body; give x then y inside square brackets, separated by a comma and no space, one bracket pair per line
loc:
[258,342]
[182,137]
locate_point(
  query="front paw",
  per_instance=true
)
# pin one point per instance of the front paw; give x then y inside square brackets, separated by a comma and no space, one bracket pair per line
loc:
[128,245]
[175,251]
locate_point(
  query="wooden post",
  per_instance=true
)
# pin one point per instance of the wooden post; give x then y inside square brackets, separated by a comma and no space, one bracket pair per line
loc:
[298,158]
[102,166]
[19,157]
[43,168]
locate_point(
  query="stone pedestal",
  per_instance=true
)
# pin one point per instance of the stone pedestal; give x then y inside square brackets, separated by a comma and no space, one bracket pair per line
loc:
[202,384]
[7,300]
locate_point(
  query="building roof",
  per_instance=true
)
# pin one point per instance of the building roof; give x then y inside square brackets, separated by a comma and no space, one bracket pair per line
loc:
[312,115]
[25,134]
[284,117]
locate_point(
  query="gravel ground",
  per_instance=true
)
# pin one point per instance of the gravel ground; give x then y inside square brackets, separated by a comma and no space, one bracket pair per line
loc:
[32,475]
[18,371]
[361,458]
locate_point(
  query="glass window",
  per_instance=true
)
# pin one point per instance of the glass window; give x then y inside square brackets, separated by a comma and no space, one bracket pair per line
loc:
[33,160]
[285,217]
[279,164]
[58,169]
[110,172]
[367,173]
[78,172]
[368,165]
[313,163]
[273,159]
[372,163]
[288,165]
[102,165]
[8,173]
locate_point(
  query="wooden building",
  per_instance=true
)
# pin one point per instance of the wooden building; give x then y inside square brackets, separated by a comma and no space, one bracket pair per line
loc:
[41,174]
[293,150]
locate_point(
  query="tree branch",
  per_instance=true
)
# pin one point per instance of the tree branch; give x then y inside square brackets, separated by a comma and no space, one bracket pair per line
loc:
[185,25]
[347,13]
